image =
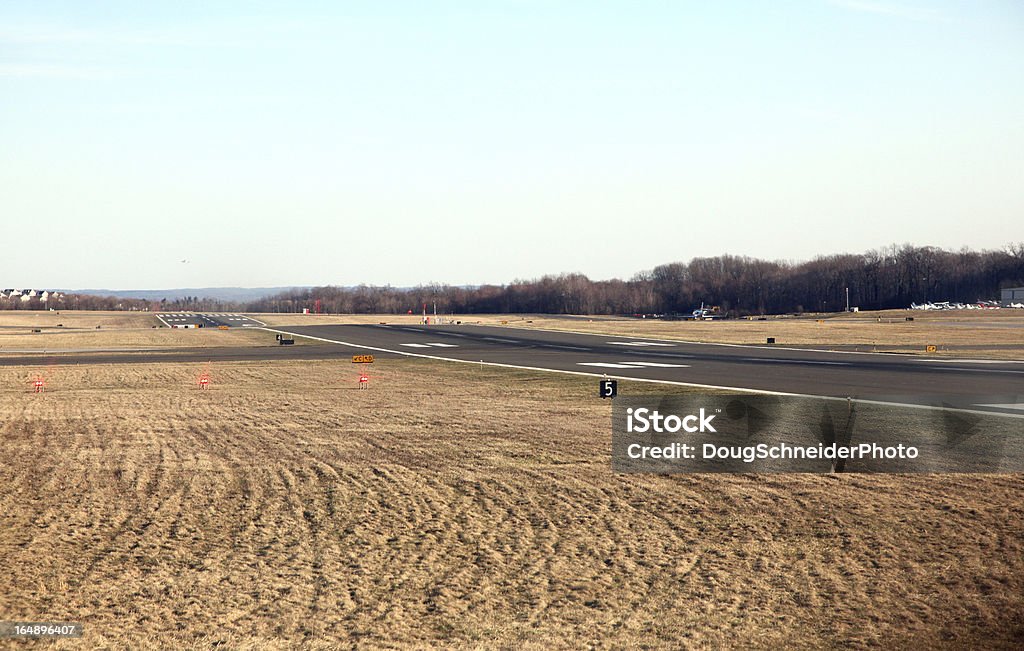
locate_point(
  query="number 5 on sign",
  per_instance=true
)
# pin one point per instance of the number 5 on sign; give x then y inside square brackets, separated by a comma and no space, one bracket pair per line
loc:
[609,388]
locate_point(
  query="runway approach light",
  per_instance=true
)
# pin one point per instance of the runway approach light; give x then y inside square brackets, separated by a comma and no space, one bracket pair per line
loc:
[37,385]
[204,381]
[364,381]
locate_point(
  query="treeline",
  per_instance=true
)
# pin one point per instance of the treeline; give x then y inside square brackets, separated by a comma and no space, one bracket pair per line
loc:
[892,277]
[115,303]
[74,302]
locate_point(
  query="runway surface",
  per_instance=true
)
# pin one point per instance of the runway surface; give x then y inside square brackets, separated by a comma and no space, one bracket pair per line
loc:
[985,385]
[202,320]
[889,378]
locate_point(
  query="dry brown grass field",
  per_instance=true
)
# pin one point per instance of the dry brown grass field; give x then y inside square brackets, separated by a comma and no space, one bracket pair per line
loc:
[76,319]
[330,319]
[70,330]
[458,506]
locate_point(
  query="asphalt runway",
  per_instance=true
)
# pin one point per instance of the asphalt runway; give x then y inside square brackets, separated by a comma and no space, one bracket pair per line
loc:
[202,320]
[982,385]
[883,377]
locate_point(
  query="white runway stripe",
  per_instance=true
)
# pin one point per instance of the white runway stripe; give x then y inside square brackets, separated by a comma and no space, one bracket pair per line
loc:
[658,364]
[639,343]
[1015,406]
[633,365]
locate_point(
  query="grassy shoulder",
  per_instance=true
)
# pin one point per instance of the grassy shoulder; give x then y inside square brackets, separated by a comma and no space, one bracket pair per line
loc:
[68,330]
[454,505]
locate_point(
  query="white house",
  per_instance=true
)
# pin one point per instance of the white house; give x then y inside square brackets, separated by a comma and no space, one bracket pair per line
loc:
[26,295]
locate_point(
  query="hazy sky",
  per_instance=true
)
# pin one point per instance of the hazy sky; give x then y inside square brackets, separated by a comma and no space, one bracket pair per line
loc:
[278,143]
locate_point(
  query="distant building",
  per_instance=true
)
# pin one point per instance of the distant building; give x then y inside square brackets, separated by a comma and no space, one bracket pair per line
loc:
[1012,295]
[26,295]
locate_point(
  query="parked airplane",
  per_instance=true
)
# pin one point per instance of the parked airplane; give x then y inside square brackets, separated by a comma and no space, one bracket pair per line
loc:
[706,313]
[946,305]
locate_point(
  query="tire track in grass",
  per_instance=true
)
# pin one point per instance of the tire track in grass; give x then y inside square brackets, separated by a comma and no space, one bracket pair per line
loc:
[135,508]
[304,512]
[30,529]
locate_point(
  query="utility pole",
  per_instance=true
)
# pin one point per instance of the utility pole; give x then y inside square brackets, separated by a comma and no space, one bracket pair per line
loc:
[847,299]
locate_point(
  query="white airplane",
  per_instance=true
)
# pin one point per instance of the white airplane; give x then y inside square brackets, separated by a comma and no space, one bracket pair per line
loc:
[705,313]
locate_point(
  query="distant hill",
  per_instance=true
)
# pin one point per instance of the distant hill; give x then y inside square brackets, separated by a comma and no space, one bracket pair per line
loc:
[240,294]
